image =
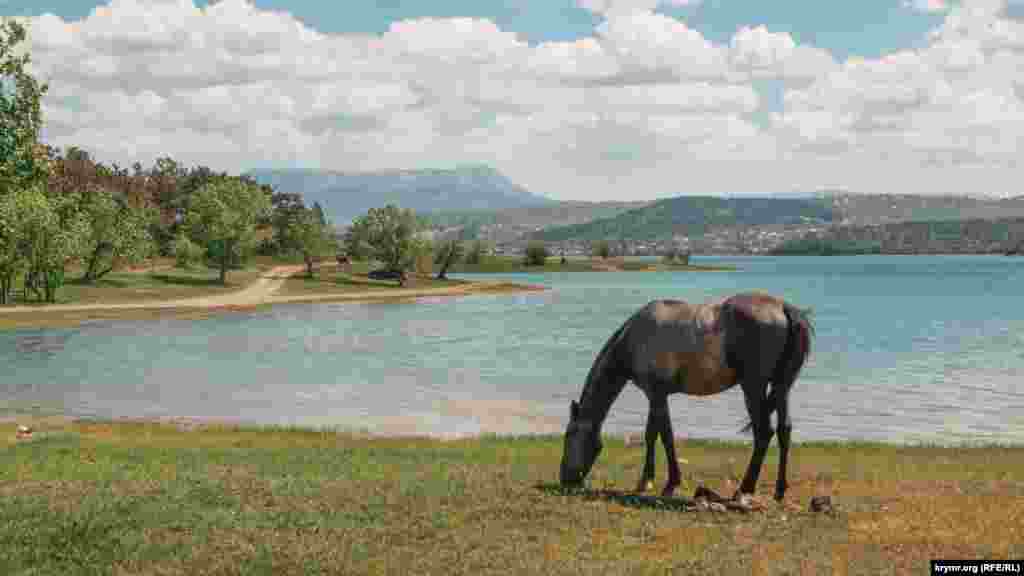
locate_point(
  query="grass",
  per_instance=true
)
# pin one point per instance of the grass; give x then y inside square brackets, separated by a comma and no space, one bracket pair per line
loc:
[513,264]
[330,279]
[146,498]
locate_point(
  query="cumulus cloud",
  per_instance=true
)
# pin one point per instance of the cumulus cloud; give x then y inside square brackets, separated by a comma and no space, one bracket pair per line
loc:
[929,6]
[645,106]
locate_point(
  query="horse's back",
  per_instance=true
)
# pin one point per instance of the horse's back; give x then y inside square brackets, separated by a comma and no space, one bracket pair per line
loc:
[703,349]
[680,347]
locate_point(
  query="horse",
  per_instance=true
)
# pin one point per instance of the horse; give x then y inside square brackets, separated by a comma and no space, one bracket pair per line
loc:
[671,347]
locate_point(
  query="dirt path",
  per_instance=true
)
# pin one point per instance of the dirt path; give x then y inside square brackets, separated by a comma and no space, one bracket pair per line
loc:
[256,293]
[264,289]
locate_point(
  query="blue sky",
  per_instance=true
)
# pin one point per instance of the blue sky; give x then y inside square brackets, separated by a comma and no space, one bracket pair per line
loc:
[864,28]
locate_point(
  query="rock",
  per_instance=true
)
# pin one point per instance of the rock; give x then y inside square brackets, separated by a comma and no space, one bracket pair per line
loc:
[23,431]
[821,504]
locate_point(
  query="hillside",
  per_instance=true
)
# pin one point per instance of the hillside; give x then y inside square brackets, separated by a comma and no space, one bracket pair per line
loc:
[962,236]
[693,216]
[874,209]
[347,195]
[510,224]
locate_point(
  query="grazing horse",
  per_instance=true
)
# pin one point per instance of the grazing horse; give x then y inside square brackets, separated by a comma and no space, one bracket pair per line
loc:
[671,347]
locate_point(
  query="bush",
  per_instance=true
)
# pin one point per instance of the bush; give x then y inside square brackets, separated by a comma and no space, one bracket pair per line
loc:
[536,253]
[187,254]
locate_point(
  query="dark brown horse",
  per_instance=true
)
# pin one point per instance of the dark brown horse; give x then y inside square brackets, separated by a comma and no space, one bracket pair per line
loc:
[671,347]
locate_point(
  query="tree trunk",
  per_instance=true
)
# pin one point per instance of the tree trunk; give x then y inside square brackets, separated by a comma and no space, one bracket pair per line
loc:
[94,260]
[442,274]
[309,264]
[224,259]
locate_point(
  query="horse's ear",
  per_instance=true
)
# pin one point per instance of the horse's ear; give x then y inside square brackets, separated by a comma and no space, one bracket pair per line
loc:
[574,410]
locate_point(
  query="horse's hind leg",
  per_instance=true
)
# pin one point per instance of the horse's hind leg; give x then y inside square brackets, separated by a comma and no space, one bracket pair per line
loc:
[760,416]
[785,427]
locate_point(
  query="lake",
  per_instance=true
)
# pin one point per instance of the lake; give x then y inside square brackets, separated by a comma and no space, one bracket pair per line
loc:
[908,348]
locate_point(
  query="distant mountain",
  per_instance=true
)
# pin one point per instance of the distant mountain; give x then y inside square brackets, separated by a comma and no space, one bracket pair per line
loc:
[693,216]
[345,195]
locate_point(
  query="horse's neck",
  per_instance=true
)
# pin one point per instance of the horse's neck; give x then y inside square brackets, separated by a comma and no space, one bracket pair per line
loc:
[601,392]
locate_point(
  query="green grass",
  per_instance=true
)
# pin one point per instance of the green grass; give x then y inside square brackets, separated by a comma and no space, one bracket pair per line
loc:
[158,280]
[140,498]
[330,279]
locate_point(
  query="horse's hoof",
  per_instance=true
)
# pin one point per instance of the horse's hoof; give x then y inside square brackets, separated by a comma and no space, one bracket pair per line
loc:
[645,486]
[668,491]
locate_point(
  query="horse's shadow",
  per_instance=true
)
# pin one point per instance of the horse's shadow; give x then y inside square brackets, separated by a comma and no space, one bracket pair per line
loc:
[632,499]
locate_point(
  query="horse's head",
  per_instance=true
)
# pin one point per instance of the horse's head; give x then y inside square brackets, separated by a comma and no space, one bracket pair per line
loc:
[582,445]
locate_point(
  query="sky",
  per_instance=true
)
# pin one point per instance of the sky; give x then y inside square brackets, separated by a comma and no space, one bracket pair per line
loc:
[573,99]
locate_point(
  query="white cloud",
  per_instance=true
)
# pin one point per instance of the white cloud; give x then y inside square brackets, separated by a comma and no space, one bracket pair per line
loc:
[644,107]
[929,6]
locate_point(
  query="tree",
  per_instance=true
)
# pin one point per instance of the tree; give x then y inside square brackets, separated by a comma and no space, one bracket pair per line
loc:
[287,209]
[186,252]
[387,234]
[448,254]
[601,249]
[23,161]
[476,252]
[12,261]
[536,253]
[311,238]
[319,212]
[222,216]
[117,234]
[422,256]
[46,233]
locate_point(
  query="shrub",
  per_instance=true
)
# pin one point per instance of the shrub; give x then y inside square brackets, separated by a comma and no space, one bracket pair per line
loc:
[536,253]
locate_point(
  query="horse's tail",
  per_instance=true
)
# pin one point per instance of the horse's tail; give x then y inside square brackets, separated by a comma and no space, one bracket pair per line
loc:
[799,333]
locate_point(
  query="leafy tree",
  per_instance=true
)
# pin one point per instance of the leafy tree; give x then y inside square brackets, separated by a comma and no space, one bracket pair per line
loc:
[476,252]
[117,234]
[421,259]
[387,234]
[320,216]
[12,261]
[536,253]
[49,232]
[601,249]
[222,216]
[186,252]
[311,238]
[287,210]
[447,255]
[22,159]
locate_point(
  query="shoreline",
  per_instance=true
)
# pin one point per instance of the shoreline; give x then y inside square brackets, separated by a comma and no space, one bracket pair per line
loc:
[44,424]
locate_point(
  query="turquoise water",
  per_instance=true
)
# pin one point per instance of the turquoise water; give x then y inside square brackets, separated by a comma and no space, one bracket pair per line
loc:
[907,348]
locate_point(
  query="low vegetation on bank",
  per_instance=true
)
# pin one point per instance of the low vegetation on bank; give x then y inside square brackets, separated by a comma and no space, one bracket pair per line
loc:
[500,264]
[123,497]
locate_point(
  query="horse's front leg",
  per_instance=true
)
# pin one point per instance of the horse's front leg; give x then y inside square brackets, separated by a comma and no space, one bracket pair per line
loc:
[646,481]
[668,441]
